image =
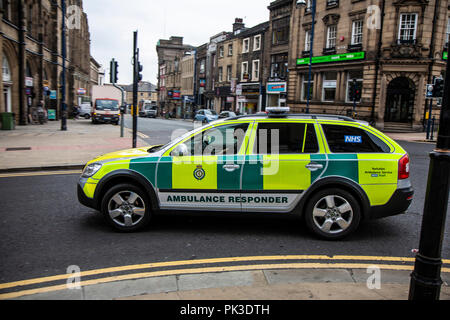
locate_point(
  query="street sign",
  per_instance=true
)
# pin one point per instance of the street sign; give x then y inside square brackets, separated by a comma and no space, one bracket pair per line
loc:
[333,58]
[53,94]
[429,93]
[239,89]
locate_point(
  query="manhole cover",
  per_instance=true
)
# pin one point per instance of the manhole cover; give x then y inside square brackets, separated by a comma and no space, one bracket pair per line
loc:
[18,149]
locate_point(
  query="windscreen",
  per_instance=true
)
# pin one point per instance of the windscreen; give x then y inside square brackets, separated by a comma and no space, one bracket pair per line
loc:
[112,105]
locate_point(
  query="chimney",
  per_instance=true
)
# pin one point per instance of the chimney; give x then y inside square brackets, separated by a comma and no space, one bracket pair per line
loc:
[238,24]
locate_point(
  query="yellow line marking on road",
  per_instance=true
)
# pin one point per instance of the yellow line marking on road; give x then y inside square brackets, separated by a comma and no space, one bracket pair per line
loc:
[143,136]
[40,173]
[203,261]
[211,270]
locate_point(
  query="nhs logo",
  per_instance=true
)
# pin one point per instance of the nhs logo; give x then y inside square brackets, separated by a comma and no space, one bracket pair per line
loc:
[353,139]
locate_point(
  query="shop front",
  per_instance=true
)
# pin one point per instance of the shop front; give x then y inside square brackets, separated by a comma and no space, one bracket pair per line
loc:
[249,96]
[276,94]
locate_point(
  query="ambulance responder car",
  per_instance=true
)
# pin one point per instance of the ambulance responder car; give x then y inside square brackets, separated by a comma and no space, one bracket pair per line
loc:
[333,171]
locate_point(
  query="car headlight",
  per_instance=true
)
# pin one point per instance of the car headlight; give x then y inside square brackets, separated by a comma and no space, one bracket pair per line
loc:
[90,170]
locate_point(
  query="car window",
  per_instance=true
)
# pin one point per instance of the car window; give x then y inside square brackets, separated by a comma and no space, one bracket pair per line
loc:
[347,139]
[221,140]
[285,138]
[207,112]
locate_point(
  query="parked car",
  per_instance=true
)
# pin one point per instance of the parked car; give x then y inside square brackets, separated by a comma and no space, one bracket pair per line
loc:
[206,115]
[85,110]
[332,171]
[227,114]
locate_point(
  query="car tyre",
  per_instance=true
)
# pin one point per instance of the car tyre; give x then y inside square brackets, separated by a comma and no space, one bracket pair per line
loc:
[332,214]
[87,117]
[126,207]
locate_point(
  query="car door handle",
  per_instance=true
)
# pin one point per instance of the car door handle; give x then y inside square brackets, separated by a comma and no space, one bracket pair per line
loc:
[231,167]
[313,166]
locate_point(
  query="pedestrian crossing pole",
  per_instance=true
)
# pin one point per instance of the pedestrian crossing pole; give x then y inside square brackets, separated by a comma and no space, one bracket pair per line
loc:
[135,88]
[426,279]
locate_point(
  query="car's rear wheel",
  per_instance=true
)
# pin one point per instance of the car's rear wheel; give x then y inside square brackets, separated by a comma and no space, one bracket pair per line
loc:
[126,207]
[86,116]
[333,214]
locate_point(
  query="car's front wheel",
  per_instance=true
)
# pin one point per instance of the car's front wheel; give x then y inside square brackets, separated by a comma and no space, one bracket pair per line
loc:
[126,207]
[333,214]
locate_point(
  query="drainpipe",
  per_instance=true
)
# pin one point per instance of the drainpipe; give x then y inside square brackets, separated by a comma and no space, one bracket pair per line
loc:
[377,61]
[22,30]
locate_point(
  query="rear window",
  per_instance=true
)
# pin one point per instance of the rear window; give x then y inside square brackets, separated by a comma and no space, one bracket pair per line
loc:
[291,138]
[346,139]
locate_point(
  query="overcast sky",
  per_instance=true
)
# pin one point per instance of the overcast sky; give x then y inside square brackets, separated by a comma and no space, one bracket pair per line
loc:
[112,22]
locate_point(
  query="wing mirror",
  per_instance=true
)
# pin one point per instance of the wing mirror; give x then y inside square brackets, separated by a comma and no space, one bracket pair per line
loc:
[180,150]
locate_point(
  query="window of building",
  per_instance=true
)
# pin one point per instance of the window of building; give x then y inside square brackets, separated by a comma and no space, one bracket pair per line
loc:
[246,45]
[448,31]
[221,52]
[288,137]
[7,9]
[257,43]
[354,75]
[407,28]
[346,139]
[308,6]
[220,74]
[280,33]
[357,32]
[308,40]
[229,73]
[6,71]
[255,70]
[329,86]
[202,66]
[279,66]
[305,81]
[230,50]
[331,36]
[244,71]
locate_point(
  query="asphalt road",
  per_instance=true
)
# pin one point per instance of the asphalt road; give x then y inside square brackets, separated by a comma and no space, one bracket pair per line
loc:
[44,229]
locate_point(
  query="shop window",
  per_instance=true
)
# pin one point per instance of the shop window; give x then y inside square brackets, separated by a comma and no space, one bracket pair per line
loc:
[329,86]
[305,88]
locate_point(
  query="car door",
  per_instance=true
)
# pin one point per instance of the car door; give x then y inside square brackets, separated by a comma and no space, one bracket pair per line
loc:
[282,161]
[203,171]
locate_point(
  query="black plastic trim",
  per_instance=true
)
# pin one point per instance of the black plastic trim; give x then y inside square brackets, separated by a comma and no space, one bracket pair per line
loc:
[398,204]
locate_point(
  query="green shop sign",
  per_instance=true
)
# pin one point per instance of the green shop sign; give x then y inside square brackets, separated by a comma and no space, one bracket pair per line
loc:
[334,58]
[445,55]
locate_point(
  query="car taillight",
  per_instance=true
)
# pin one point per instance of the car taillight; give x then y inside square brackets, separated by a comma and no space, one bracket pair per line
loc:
[403,167]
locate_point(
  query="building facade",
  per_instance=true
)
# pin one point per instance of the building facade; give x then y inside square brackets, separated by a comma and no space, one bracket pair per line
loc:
[170,52]
[31,48]
[387,50]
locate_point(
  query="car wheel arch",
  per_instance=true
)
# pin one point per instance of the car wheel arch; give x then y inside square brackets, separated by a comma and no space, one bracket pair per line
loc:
[340,183]
[125,176]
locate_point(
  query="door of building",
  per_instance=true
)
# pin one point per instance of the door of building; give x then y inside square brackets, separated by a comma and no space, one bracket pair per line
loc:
[400,100]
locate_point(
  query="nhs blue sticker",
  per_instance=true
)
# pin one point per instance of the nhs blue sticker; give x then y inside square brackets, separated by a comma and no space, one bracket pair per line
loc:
[353,139]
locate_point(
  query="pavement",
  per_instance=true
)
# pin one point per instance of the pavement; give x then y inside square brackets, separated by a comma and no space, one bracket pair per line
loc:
[46,147]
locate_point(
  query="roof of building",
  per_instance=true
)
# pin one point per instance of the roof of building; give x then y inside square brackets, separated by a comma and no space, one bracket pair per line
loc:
[143,86]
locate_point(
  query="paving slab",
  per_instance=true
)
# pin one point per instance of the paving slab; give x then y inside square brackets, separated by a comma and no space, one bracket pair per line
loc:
[73,294]
[307,275]
[215,280]
[109,291]
[386,276]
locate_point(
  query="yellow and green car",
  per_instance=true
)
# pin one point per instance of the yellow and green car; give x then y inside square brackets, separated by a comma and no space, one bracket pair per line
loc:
[333,171]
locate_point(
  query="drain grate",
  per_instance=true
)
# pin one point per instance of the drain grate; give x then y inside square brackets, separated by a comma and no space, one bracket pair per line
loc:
[19,149]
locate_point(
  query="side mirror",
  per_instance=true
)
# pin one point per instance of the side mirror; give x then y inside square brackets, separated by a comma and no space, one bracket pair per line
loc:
[180,150]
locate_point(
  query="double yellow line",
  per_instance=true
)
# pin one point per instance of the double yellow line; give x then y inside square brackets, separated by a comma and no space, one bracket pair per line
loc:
[309,265]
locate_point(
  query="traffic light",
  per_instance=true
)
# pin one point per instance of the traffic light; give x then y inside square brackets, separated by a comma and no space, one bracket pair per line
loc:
[113,71]
[354,91]
[139,70]
[438,90]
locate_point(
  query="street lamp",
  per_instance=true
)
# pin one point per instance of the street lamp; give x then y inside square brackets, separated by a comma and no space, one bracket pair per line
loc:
[302,3]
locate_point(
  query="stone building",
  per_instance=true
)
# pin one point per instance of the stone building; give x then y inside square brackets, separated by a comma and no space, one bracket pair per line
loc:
[389,50]
[170,53]
[31,48]
[146,91]
[277,45]
[187,83]
[200,76]
[250,92]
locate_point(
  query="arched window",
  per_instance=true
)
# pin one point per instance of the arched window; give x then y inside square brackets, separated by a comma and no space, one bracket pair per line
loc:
[6,70]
